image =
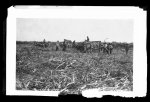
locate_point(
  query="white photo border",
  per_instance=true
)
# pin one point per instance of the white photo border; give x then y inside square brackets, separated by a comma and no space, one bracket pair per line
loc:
[78,12]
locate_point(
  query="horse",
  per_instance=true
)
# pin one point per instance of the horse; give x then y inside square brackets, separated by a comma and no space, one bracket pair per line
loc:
[68,43]
[64,46]
[107,48]
[110,48]
[79,46]
[95,45]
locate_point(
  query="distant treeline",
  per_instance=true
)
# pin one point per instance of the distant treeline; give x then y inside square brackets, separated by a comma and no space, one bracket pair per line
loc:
[122,44]
[30,42]
[115,44]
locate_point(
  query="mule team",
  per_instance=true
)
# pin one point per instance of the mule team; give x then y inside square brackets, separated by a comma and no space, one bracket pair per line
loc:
[86,46]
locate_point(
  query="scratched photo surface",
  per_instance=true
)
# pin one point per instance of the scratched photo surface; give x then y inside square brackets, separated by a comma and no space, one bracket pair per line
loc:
[72,55]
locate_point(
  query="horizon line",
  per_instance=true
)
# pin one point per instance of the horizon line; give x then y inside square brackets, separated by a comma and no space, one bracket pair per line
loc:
[71,40]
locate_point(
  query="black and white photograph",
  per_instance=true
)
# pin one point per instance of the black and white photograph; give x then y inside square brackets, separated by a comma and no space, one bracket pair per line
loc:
[74,53]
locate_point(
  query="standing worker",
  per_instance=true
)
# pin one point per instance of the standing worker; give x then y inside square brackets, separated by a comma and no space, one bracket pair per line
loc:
[87,38]
[57,45]
[64,46]
[126,48]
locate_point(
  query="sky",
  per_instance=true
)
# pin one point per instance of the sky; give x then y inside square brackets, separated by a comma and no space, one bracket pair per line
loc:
[37,29]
